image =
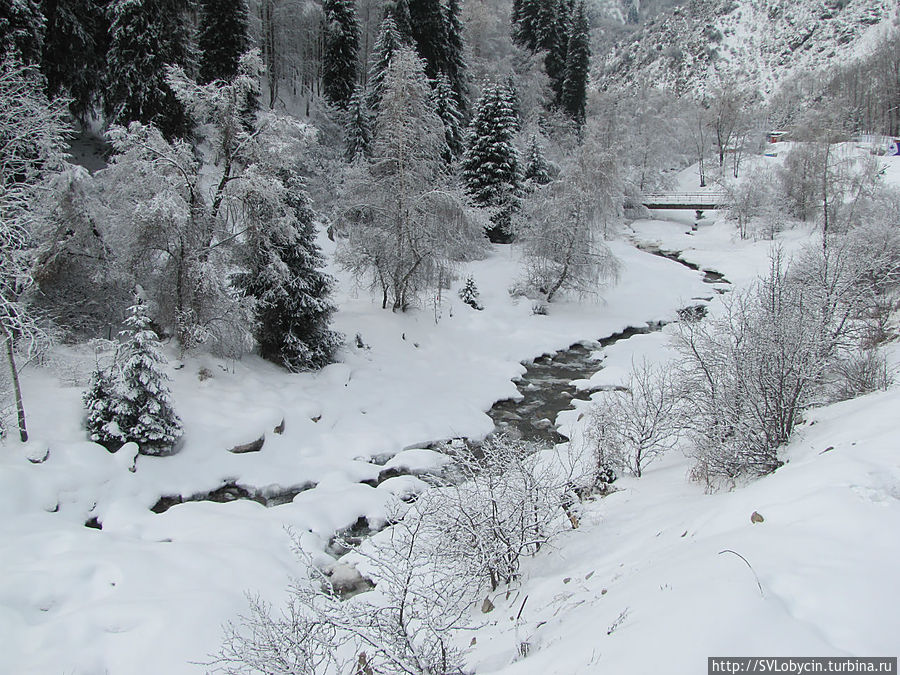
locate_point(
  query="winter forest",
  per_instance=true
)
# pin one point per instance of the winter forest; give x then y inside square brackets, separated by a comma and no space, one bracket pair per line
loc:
[444,337]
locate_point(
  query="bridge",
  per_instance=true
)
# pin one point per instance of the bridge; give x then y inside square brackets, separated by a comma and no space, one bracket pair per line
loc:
[706,201]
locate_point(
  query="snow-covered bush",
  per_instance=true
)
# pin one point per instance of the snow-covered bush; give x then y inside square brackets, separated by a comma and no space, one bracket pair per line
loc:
[469,294]
[632,427]
[858,374]
[750,373]
[507,503]
[405,626]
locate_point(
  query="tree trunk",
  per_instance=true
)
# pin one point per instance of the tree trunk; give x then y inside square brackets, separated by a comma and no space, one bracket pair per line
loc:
[20,406]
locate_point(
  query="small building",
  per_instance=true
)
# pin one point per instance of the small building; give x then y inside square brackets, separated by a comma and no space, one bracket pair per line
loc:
[775,136]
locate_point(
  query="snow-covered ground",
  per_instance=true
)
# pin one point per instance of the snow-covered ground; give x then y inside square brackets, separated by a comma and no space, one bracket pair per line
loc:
[148,593]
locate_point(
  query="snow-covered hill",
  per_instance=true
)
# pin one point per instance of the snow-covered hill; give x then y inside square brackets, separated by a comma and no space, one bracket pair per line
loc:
[754,42]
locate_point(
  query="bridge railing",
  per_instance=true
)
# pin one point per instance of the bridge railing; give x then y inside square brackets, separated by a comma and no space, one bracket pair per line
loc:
[684,198]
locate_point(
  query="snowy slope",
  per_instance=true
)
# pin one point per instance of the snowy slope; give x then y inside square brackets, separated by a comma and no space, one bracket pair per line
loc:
[825,557]
[753,42]
[148,593]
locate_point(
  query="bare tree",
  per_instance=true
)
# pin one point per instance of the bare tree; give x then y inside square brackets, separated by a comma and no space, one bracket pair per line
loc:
[632,427]
[750,373]
[405,224]
[565,222]
[32,136]
[508,502]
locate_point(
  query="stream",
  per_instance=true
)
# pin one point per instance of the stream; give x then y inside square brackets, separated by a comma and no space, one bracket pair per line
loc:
[545,390]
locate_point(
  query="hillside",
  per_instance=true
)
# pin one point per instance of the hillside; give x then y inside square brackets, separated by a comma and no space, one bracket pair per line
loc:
[753,42]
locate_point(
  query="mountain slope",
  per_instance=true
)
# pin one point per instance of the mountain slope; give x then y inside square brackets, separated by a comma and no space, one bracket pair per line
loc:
[754,42]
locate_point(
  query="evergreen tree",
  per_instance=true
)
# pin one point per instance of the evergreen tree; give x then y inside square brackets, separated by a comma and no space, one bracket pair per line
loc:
[388,43]
[145,36]
[358,127]
[490,167]
[543,26]
[100,401]
[554,39]
[429,31]
[456,68]
[537,168]
[526,23]
[144,412]
[469,294]
[283,274]
[446,108]
[75,27]
[398,11]
[21,30]
[578,63]
[222,36]
[340,63]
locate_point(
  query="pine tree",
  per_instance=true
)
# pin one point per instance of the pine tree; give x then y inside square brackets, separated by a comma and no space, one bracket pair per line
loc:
[446,108]
[388,43]
[358,127]
[100,401]
[222,36]
[21,30]
[490,166]
[144,412]
[537,168]
[145,36]
[340,63]
[283,274]
[578,63]
[75,27]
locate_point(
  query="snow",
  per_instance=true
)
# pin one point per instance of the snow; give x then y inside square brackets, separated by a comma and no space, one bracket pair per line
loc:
[149,592]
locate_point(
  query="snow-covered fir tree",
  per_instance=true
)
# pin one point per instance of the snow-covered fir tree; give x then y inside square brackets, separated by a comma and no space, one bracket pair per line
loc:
[389,41]
[578,63]
[21,30]
[447,109]
[144,412]
[357,127]
[145,37]
[543,26]
[526,28]
[456,67]
[405,222]
[222,36]
[340,61]
[537,168]
[490,167]
[555,41]
[469,293]
[398,11]
[100,401]
[284,277]
[430,35]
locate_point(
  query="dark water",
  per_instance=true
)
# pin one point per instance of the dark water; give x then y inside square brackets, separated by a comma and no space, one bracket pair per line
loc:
[546,390]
